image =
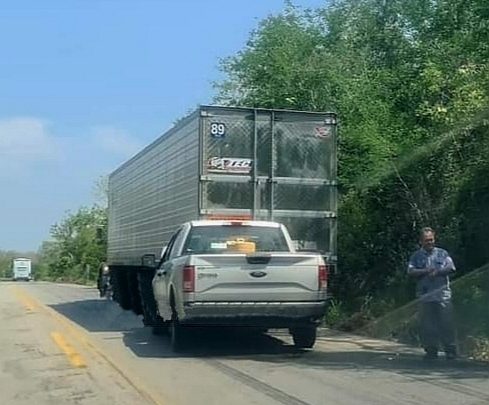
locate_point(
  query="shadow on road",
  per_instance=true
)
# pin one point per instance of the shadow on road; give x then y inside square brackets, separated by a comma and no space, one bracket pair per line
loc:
[404,363]
[272,349]
[99,315]
[208,342]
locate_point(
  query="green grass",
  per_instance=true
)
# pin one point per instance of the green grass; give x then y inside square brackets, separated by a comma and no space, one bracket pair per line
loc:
[471,303]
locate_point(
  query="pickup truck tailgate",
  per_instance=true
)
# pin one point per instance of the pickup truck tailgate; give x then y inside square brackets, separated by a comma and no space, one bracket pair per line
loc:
[267,277]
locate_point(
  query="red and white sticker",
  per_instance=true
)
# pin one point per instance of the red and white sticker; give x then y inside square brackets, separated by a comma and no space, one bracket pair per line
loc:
[229,165]
[322,132]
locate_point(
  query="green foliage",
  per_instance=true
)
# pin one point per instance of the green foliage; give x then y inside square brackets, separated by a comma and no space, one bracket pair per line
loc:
[78,246]
[471,300]
[410,84]
[6,258]
[6,262]
[471,303]
[335,314]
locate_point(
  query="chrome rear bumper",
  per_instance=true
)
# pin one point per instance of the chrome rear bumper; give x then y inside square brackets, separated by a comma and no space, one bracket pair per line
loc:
[271,314]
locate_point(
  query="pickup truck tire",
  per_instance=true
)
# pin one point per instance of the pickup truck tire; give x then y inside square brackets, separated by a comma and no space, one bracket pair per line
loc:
[304,337]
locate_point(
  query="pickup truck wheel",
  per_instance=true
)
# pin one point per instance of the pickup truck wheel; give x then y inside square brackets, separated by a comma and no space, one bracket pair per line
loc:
[305,337]
[177,335]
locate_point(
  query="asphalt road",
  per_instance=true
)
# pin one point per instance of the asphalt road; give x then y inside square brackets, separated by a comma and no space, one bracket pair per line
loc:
[61,344]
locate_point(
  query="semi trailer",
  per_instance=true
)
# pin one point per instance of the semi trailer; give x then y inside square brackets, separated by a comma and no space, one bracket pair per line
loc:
[221,163]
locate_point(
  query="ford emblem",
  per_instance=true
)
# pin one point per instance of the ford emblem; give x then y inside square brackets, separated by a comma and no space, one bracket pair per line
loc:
[258,274]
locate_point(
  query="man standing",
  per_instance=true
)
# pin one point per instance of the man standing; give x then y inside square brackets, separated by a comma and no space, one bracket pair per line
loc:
[432,266]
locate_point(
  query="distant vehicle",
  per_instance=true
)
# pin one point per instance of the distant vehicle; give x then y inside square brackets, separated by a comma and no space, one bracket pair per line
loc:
[239,273]
[22,269]
[221,163]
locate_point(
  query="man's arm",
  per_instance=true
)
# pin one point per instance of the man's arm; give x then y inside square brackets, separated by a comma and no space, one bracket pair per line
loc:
[414,271]
[447,269]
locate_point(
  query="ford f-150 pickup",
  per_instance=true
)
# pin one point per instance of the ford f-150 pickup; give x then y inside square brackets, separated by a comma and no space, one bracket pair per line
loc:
[242,273]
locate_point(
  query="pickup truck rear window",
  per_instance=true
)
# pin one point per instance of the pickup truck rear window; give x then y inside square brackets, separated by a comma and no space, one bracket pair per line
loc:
[234,239]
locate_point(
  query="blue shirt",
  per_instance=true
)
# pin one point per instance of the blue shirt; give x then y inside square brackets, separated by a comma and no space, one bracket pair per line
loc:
[433,288]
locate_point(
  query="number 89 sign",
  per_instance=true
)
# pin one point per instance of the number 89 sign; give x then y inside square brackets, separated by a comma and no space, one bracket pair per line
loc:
[218,130]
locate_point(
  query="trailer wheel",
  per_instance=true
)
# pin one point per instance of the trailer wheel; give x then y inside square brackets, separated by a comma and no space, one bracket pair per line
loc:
[148,302]
[132,282]
[121,288]
[304,337]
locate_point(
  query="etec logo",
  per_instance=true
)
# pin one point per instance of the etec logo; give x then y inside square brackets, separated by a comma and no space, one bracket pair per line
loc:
[229,165]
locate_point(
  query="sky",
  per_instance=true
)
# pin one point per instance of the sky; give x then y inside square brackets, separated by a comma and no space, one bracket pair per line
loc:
[85,84]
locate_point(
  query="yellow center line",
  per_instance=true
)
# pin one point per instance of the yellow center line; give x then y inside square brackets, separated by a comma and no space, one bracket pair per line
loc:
[73,356]
[25,300]
[83,338]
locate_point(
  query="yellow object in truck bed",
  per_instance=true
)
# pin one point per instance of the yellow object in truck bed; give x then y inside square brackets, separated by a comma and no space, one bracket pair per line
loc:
[241,246]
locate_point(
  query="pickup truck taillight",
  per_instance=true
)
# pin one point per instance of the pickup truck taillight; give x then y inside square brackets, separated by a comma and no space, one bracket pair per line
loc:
[189,279]
[322,277]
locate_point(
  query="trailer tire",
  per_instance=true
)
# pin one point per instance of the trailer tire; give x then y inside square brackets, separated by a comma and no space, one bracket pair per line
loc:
[121,288]
[304,337]
[132,281]
[148,302]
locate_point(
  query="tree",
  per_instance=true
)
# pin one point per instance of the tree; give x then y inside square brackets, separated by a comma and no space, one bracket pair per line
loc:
[410,84]
[79,240]
[101,191]
[6,258]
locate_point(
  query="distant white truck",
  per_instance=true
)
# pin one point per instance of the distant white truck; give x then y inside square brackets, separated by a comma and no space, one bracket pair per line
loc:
[22,269]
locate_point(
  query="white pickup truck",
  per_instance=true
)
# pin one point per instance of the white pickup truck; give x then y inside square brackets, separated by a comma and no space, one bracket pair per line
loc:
[243,273]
